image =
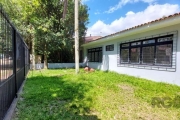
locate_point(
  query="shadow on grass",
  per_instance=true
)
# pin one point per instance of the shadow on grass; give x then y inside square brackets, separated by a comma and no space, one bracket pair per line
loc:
[55,97]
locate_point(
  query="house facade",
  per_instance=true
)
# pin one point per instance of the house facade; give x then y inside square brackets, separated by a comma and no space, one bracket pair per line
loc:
[150,50]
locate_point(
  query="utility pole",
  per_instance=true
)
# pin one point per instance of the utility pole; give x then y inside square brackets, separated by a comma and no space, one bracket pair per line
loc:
[76,36]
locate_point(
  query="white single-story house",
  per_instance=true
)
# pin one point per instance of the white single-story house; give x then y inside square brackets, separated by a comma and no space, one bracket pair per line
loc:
[150,50]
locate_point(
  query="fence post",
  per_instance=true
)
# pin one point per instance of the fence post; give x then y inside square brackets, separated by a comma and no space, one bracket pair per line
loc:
[24,57]
[14,58]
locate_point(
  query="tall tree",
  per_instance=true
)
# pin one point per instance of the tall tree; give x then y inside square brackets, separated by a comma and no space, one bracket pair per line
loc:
[42,21]
[22,15]
[56,32]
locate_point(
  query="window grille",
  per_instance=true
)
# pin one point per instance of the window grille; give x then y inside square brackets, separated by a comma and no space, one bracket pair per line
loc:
[156,52]
[95,54]
[124,55]
[148,55]
[135,55]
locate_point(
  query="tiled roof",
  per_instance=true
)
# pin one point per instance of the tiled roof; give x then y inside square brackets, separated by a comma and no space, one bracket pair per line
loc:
[157,20]
[91,38]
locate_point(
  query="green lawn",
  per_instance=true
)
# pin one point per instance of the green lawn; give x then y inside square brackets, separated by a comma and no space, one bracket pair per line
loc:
[62,95]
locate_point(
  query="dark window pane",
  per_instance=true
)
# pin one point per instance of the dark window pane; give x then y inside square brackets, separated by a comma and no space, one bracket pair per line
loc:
[89,57]
[135,43]
[124,55]
[135,55]
[125,45]
[110,47]
[96,56]
[92,56]
[148,55]
[164,54]
[100,56]
[165,39]
[107,48]
[149,41]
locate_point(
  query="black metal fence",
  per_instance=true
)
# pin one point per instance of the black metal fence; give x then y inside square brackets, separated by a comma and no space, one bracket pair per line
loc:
[14,62]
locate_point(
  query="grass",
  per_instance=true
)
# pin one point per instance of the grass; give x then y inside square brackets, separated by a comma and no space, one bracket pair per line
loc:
[62,95]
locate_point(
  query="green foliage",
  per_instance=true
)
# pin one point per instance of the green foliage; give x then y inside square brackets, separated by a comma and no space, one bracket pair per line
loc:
[42,20]
[61,94]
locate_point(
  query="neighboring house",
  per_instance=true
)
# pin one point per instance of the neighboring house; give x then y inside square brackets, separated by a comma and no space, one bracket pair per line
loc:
[150,50]
[91,38]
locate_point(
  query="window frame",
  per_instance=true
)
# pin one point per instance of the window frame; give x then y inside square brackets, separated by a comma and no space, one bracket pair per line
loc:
[142,45]
[110,47]
[93,52]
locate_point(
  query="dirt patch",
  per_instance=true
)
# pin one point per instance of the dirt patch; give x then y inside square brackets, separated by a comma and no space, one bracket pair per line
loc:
[126,88]
[130,107]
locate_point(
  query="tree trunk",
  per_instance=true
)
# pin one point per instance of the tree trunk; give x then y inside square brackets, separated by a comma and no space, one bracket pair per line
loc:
[33,55]
[45,57]
[65,9]
[45,61]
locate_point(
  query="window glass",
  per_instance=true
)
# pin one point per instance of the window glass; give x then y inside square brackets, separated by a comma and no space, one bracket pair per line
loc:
[100,56]
[95,54]
[148,55]
[165,39]
[96,57]
[155,51]
[107,48]
[92,56]
[110,47]
[125,45]
[124,55]
[135,43]
[89,56]
[135,55]
[164,54]
[148,41]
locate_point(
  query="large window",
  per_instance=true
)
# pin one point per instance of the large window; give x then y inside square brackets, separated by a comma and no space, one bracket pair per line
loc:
[95,54]
[154,51]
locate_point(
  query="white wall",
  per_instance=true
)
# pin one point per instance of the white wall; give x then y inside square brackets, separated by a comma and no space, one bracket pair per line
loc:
[110,59]
[62,65]
[38,66]
[56,65]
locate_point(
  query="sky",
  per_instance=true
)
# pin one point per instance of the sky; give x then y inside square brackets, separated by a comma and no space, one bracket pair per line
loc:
[110,16]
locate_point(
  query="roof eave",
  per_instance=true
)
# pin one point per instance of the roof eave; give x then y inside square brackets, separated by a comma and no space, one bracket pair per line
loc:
[145,28]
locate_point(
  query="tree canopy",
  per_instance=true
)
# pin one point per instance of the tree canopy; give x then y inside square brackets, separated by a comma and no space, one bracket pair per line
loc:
[44,22]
